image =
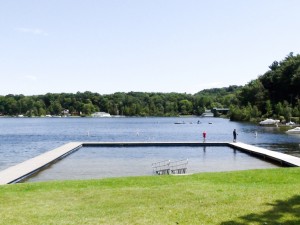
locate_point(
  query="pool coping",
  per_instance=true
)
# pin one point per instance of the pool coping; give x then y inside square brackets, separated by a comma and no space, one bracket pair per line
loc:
[21,171]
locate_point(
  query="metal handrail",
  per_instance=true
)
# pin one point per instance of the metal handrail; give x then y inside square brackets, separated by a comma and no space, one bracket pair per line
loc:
[157,164]
[179,166]
[166,166]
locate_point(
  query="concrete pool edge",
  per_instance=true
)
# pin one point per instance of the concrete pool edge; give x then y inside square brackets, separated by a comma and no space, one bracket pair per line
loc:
[25,169]
[21,171]
[283,159]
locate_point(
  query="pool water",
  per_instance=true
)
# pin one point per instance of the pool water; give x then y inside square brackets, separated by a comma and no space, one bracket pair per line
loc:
[101,162]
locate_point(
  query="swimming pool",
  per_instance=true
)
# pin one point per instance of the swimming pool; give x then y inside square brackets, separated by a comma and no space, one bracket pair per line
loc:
[102,162]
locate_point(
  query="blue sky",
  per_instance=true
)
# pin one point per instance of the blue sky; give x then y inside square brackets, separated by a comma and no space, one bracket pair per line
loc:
[137,45]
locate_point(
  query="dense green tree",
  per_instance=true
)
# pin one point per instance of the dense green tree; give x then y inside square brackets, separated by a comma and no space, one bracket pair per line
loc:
[185,107]
[253,93]
[88,108]
[11,106]
[55,107]
[283,80]
[273,94]
[269,110]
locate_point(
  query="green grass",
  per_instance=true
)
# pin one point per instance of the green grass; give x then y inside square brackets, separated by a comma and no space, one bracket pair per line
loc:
[244,197]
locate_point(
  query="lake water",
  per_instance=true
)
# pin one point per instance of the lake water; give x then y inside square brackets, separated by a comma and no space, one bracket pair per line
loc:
[24,138]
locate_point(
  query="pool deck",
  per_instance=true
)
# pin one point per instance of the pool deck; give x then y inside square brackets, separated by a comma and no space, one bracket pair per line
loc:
[19,172]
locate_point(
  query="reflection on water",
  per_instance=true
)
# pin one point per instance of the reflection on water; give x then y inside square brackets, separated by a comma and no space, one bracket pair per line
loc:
[100,162]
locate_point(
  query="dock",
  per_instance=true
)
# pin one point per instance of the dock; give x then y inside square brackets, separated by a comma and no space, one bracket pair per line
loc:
[19,172]
[283,159]
[152,144]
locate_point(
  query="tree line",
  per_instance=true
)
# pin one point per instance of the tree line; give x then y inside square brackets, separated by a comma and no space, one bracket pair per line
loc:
[125,104]
[273,94]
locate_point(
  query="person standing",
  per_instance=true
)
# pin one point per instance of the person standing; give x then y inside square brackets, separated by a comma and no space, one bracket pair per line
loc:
[234,135]
[204,136]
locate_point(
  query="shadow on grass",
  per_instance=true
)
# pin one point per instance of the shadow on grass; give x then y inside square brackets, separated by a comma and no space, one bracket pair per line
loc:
[283,212]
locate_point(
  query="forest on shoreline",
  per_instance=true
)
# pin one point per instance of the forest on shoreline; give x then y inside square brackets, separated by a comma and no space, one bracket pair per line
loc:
[273,94]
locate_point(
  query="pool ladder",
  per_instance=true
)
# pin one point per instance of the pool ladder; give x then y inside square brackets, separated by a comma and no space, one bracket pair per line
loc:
[169,167]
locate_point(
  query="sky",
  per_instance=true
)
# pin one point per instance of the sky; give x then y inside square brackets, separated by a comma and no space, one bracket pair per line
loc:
[108,46]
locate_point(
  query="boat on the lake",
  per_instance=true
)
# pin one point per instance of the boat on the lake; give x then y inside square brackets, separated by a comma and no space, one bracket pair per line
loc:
[180,122]
[101,114]
[290,123]
[295,130]
[269,122]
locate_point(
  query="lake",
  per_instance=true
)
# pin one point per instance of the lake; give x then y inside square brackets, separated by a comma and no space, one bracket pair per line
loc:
[24,138]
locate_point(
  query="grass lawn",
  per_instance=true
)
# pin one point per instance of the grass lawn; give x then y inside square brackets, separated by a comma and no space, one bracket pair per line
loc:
[270,196]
